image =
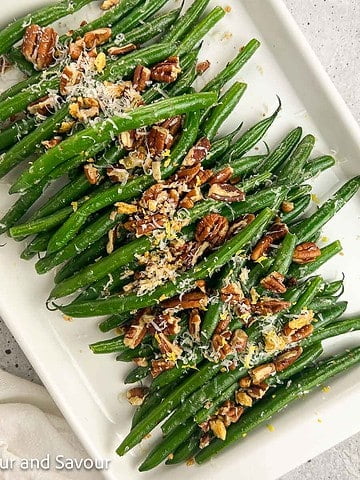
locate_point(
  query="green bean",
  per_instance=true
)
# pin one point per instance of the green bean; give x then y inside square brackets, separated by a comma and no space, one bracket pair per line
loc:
[339,327]
[298,191]
[173,441]
[202,270]
[104,130]
[138,373]
[317,165]
[218,148]
[283,257]
[262,411]
[186,450]
[132,189]
[21,150]
[147,31]
[301,271]
[233,67]
[37,245]
[108,346]
[44,16]
[244,165]
[186,21]
[333,287]
[16,57]
[15,132]
[200,30]
[317,220]
[128,354]
[103,287]
[252,136]
[18,87]
[110,323]
[222,110]
[257,272]
[152,400]
[299,207]
[282,152]
[292,169]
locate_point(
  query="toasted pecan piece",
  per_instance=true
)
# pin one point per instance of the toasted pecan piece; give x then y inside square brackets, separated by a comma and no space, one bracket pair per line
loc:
[286,359]
[306,252]
[259,374]
[226,193]
[160,365]
[141,78]
[117,51]
[274,282]
[270,306]
[213,229]
[136,396]
[188,300]
[38,46]
[166,71]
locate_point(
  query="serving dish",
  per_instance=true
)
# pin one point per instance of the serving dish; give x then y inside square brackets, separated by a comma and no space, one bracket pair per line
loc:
[89,389]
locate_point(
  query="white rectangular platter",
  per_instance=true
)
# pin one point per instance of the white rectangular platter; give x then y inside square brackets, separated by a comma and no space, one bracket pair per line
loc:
[89,389]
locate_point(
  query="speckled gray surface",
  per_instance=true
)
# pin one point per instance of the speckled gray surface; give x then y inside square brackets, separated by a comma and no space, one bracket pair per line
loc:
[333,29]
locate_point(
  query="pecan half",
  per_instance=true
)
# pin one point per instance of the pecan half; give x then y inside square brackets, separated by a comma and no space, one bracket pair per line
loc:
[91,173]
[226,193]
[194,324]
[166,71]
[223,176]
[243,399]
[223,325]
[201,67]
[306,252]
[270,306]
[188,300]
[159,139]
[159,366]
[198,152]
[122,50]
[261,373]
[213,229]
[277,232]
[239,340]
[136,396]
[232,293]
[274,282]
[218,428]
[300,334]
[38,46]
[96,37]
[141,78]
[284,360]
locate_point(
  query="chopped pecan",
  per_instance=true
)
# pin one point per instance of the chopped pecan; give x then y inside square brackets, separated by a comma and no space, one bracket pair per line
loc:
[204,441]
[243,399]
[218,428]
[201,67]
[173,124]
[284,360]
[141,78]
[158,196]
[270,306]
[191,252]
[188,300]
[142,227]
[223,325]
[107,4]
[287,207]
[194,324]
[159,366]
[122,50]
[166,71]
[198,152]
[187,174]
[220,345]
[168,348]
[300,334]
[232,293]
[136,396]
[77,48]
[117,175]
[202,177]
[44,106]
[65,127]
[91,173]
[70,76]
[258,391]
[245,382]
[193,196]
[277,232]
[213,229]
[274,282]
[243,308]
[240,223]
[306,252]
[125,208]
[48,144]
[140,361]
[223,176]
[84,108]
[305,318]
[96,37]
[115,90]
[38,46]
[135,332]
[226,193]
[230,413]
[128,139]
[159,139]
[261,373]
[239,340]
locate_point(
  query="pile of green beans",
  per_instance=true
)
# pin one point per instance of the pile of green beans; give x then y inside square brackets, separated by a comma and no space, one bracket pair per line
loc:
[81,231]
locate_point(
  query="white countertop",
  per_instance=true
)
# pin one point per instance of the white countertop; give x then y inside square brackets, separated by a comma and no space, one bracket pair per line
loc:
[332,28]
